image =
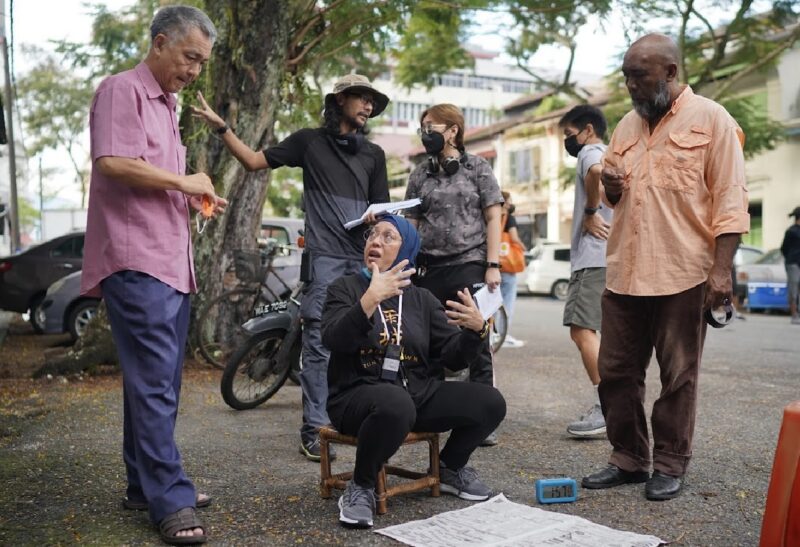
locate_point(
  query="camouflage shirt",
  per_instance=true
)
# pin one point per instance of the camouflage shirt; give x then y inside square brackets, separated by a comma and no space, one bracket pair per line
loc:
[450,219]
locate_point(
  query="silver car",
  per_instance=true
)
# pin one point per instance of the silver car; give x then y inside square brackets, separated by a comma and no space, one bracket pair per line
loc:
[64,309]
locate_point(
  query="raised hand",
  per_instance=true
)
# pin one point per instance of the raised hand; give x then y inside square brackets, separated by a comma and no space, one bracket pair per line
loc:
[465,313]
[385,285]
[206,114]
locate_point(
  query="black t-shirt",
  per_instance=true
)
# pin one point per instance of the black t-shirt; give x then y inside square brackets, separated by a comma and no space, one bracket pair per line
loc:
[358,343]
[791,245]
[337,187]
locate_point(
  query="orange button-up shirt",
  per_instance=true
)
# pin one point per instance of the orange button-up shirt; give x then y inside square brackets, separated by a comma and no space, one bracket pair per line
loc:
[686,186]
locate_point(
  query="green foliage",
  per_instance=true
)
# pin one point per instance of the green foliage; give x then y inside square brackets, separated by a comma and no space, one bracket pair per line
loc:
[55,103]
[285,193]
[547,24]
[431,44]
[120,39]
[761,132]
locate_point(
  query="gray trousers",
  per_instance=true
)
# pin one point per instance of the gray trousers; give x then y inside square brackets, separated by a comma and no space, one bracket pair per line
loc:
[314,374]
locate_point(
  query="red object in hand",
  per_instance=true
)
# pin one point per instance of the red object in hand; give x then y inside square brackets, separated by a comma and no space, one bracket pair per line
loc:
[208,207]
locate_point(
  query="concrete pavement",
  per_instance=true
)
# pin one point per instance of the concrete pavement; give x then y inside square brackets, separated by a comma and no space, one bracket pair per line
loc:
[63,478]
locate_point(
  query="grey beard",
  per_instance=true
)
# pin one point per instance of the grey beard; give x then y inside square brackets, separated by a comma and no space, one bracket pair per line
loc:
[657,106]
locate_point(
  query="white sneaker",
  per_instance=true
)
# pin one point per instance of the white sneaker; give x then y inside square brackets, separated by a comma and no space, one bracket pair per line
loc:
[511,342]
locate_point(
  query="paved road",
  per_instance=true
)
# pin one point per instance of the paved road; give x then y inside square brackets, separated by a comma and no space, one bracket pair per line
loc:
[62,475]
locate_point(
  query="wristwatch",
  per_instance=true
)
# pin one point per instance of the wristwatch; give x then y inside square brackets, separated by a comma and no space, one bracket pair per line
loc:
[492,265]
[590,210]
[222,130]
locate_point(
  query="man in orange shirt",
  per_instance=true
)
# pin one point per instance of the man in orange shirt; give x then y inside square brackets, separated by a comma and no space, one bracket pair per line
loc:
[674,173]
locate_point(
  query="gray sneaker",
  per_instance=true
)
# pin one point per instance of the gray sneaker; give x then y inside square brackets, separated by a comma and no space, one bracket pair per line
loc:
[463,483]
[590,424]
[357,506]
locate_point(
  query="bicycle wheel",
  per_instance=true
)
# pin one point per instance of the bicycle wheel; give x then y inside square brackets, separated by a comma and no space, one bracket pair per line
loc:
[252,374]
[219,330]
[499,329]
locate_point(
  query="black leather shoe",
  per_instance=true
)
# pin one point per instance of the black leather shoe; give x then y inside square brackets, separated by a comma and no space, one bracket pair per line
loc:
[613,476]
[662,487]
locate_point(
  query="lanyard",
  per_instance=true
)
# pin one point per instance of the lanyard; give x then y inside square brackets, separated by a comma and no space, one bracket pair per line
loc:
[399,320]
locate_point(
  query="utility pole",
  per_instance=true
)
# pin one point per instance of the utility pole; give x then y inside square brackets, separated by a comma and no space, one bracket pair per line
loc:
[12,152]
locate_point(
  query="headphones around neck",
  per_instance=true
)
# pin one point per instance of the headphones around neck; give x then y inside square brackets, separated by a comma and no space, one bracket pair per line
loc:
[450,165]
[350,142]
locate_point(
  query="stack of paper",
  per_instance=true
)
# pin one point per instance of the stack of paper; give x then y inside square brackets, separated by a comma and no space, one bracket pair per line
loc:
[379,208]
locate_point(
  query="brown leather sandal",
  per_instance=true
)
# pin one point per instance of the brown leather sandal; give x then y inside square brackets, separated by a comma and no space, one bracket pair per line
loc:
[184,519]
[133,505]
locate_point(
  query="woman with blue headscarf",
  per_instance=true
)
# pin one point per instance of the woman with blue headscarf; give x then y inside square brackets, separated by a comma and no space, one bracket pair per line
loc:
[382,331]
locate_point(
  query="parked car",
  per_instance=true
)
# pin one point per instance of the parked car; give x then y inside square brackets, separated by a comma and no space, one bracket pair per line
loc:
[744,255]
[283,231]
[24,278]
[64,309]
[547,271]
[766,282]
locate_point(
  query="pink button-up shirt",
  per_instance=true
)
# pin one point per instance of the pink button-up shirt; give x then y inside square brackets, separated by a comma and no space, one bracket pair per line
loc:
[133,228]
[686,188]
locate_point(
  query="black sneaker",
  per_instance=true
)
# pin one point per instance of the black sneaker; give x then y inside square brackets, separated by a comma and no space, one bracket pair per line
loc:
[311,450]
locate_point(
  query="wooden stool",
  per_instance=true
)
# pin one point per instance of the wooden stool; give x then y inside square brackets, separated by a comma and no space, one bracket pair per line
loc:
[419,482]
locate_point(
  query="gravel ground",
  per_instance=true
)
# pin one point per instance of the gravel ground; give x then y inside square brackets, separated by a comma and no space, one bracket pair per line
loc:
[62,475]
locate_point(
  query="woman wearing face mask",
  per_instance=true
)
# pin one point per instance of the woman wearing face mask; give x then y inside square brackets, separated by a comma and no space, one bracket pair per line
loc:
[381,331]
[458,220]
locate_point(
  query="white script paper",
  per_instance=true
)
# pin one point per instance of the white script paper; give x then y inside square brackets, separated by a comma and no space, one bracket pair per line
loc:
[488,302]
[501,522]
[378,208]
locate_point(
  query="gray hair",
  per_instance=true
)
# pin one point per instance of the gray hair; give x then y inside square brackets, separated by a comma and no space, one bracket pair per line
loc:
[172,21]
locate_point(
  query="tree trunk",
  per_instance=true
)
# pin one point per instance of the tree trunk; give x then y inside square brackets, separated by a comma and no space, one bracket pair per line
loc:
[95,347]
[244,80]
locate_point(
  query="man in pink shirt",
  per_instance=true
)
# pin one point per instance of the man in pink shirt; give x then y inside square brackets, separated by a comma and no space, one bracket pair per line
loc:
[674,173]
[138,256]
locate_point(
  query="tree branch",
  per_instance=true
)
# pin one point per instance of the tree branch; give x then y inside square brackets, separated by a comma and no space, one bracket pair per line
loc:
[722,45]
[762,61]
[685,14]
[331,32]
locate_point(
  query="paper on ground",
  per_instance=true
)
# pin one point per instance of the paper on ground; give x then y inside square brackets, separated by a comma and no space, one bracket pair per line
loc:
[379,208]
[488,302]
[501,522]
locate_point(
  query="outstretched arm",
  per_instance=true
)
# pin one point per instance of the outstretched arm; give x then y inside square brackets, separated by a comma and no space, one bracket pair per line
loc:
[252,160]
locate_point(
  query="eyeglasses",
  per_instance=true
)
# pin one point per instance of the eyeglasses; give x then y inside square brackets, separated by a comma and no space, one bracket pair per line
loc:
[387,237]
[429,128]
[366,98]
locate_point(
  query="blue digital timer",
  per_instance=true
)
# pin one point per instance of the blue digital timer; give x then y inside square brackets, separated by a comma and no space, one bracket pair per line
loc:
[561,490]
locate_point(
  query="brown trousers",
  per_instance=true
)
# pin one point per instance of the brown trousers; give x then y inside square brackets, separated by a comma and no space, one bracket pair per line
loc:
[632,327]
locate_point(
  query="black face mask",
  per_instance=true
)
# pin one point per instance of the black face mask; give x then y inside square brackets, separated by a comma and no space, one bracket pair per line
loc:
[572,146]
[433,142]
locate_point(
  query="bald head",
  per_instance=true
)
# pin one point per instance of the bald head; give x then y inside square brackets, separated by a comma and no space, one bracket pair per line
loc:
[650,68]
[656,48]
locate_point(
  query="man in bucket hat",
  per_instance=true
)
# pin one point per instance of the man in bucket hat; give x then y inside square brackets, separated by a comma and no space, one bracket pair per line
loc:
[790,248]
[343,173]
